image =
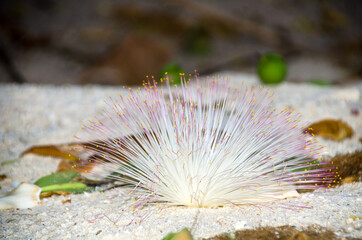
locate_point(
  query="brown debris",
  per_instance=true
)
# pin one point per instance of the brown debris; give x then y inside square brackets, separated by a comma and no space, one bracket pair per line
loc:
[286,232]
[347,169]
[348,166]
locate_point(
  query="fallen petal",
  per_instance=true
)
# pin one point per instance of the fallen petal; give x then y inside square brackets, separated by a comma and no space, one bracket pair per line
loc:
[24,196]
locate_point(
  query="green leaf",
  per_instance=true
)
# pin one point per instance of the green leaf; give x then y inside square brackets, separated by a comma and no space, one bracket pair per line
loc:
[169,236]
[173,71]
[230,235]
[184,234]
[74,187]
[56,178]
[320,82]
[304,167]
[10,161]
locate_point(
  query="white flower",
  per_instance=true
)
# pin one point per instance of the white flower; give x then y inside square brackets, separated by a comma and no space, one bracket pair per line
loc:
[205,145]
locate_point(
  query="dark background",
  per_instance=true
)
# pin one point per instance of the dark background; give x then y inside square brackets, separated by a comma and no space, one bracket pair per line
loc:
[120,42]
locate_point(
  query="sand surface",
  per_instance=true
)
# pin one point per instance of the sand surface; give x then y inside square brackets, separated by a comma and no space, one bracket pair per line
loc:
[37,114]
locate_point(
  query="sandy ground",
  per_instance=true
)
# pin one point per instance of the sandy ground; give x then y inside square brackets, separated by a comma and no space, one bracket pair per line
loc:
[38,114]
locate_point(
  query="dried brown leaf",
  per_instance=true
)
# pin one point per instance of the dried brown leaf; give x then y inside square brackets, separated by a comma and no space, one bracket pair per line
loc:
[71,153]
[64,151]
[67,201]
[49,194]
[336,130]
[65,166]
[75,155]
[349,180]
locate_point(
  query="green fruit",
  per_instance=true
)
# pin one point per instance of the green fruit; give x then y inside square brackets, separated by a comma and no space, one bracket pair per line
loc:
[173,71]
[272,68]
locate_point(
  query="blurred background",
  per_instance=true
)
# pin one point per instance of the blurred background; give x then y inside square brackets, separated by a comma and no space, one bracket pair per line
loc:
[120,42]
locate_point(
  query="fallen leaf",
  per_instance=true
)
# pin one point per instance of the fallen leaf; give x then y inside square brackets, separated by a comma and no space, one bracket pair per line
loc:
[61,151]
[67,201]
[74,187]
[65,165]
[184,234]
[76,157]
[56,178]
[49,194]
[349,180]
[66,181]
[330,128]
